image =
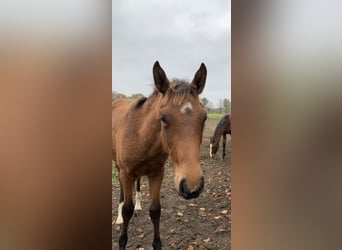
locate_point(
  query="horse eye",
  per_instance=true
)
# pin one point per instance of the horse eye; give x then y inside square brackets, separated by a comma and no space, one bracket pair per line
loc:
[163,119]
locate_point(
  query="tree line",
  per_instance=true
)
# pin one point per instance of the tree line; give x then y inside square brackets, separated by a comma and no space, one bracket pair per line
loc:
[222,106]
[116,95]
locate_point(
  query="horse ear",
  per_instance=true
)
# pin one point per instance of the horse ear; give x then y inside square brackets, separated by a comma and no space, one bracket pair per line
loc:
[160,79]
[199,78]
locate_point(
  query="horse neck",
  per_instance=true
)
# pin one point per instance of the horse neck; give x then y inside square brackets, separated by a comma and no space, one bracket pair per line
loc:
[151,119]
[227,129]
[218,134]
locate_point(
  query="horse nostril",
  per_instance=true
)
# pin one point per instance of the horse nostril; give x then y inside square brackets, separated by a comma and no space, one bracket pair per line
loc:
[186,193]
[201,187]
[182,186]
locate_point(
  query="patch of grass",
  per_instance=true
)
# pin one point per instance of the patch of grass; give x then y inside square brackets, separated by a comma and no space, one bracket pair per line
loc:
[114,174]
[215,116]
[213,120]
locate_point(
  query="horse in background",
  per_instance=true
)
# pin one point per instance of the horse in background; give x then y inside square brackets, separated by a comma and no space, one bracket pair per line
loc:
[146,132]
[222,129]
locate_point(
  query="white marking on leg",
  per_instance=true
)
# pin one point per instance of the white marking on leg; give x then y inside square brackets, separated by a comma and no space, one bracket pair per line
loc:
[211,147]
[119,220]
[137,201]
[185,107]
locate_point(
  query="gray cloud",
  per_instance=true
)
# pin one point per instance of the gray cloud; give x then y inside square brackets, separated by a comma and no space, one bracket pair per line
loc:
[179,34]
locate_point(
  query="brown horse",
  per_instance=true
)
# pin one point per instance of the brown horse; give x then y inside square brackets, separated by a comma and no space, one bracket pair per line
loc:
[222,129]
[146,132]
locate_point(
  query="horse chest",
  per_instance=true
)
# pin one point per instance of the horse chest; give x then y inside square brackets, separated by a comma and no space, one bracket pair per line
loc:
[141,158]
[141,166]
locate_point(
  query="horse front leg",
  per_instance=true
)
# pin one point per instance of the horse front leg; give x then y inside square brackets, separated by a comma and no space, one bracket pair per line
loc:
[154,188]
[119,219]
[127,208]
[224,139]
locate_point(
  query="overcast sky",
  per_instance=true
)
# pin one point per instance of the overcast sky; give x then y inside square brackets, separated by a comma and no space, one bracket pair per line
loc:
[180,35]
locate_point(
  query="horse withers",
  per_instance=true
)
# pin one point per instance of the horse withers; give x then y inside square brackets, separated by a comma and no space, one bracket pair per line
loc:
[222,129]
[146,132]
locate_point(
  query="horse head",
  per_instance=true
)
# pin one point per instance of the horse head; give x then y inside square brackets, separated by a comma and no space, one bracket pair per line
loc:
[214,146]
[182,119]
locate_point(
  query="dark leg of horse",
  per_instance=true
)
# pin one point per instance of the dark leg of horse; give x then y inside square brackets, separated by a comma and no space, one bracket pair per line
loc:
[127,209]
[224,145]
[138,184]
[154,185]
[121,194]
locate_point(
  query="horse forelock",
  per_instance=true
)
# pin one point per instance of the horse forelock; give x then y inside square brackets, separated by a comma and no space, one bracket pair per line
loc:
[179,92]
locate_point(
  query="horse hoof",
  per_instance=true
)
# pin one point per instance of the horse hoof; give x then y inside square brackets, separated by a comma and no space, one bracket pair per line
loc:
[119,220]
[157,245]
[123,242]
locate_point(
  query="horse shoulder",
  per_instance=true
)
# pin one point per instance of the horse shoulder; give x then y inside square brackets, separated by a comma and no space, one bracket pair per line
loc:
[119,110]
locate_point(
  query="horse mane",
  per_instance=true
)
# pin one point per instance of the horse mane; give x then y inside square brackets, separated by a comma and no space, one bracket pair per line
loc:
[140,102]
[177,93]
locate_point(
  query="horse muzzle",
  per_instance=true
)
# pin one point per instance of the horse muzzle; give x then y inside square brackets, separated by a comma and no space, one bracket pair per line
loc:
[185,191]
[211,152]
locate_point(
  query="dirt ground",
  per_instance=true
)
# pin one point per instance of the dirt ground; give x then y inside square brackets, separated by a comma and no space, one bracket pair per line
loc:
[202,223]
